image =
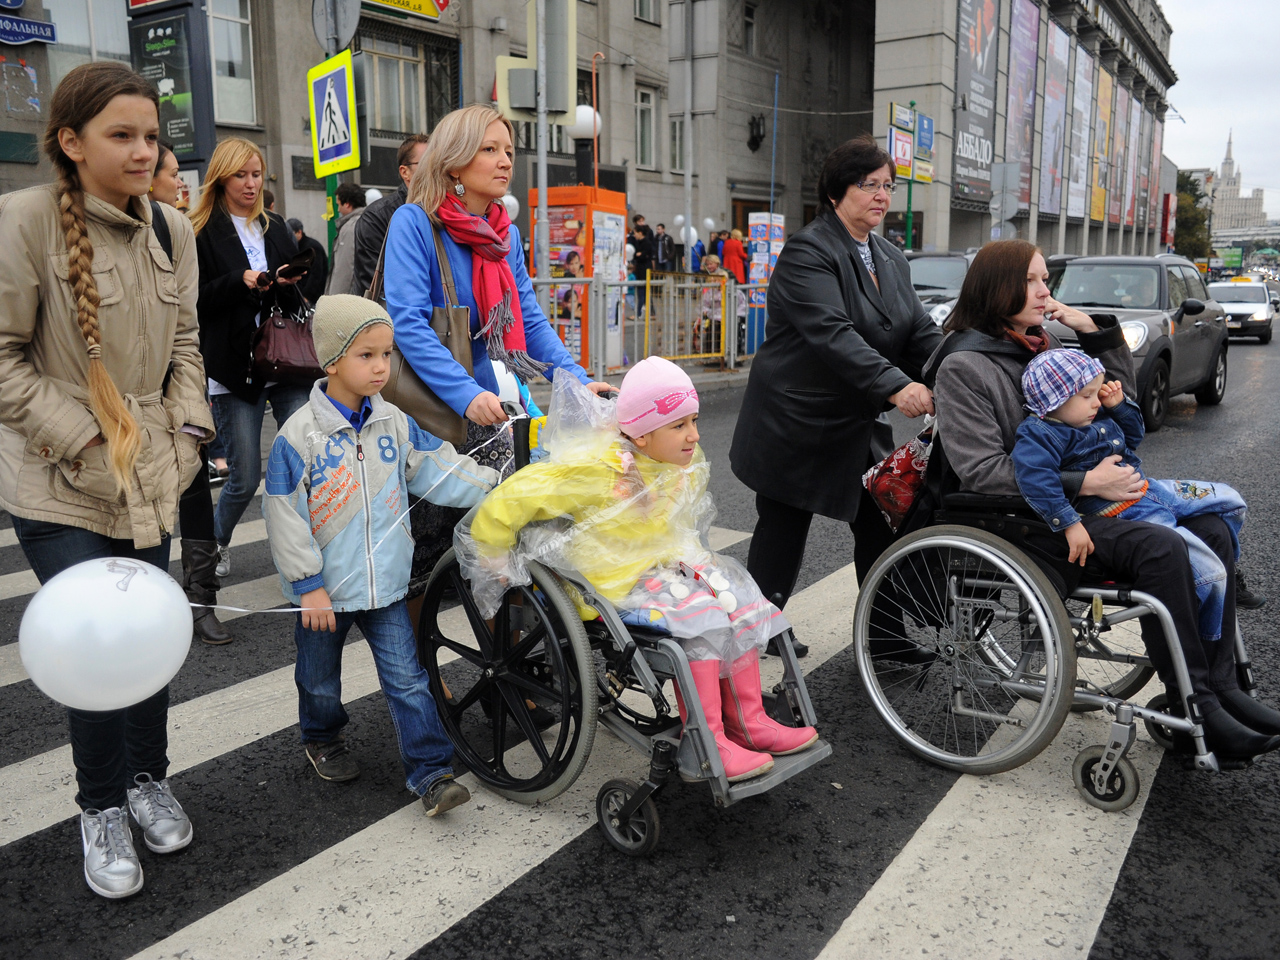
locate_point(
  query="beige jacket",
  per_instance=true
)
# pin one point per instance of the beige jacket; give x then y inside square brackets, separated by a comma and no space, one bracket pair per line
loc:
[148,324]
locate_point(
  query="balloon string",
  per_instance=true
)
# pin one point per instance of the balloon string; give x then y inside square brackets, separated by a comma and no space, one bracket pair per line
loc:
[506,428]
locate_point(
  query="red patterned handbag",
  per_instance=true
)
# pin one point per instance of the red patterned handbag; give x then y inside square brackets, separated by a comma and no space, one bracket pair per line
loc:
[896,481]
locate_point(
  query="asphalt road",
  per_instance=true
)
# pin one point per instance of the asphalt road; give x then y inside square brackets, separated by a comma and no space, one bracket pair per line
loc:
[829,864]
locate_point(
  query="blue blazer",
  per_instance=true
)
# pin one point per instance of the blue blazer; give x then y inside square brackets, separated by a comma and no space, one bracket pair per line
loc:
[413,289]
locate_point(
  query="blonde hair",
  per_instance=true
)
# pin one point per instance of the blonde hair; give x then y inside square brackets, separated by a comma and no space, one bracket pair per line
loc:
[82,95]
[229,156]
[453,145]
[736,234]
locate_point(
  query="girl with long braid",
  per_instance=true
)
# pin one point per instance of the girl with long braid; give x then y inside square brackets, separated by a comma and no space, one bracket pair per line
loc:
[102,407]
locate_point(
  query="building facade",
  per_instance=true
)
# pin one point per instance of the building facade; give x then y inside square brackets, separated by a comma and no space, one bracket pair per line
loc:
[1230,210]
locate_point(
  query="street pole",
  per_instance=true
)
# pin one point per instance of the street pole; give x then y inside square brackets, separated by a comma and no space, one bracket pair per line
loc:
[773,164]
[331,181]
[907,240]
[688,136]
[542,235]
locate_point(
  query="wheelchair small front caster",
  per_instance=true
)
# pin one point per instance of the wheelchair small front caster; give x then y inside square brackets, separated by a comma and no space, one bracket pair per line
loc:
[639,834]
[1161,734]
[1122,785]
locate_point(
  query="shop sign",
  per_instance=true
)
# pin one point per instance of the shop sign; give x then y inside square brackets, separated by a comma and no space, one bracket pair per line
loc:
[12,4]
[17,31]
[428,9]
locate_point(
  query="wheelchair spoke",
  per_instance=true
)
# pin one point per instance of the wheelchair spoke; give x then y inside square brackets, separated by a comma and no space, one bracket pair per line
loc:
[520,711]
[478,625]
[470,654]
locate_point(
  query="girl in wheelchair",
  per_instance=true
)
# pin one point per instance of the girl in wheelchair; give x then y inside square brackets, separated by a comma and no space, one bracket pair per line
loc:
[622,498]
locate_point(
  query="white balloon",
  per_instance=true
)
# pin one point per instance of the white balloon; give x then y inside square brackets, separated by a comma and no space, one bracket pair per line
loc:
[684,234]
[372,194]
[631,252]
[105,634]
[708,224]
[512,205]
[679,220]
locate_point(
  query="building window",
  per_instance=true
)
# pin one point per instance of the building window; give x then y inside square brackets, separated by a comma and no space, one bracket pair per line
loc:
[410,77]
[527,137]
[749,30]
[644,128]
[677,145]
[87,30]
[647,10]
[232,43]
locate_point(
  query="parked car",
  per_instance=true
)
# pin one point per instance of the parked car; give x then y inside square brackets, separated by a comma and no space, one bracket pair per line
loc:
[1250,306]
[1177,332]
[937,278]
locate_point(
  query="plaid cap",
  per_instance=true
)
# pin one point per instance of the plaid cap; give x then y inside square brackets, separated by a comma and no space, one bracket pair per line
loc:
[1055,376]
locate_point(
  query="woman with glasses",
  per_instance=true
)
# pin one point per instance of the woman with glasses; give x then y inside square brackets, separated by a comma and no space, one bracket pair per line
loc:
[846,340]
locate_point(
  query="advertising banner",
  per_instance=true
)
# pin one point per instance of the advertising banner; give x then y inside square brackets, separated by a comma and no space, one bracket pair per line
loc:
[1054,126]
[1131,158]
[1081,107]
[1101,147]
[902,148]
[978,31]
[161,54]
[1024,36]
[1157,153]
[1119,139]
[1142,192]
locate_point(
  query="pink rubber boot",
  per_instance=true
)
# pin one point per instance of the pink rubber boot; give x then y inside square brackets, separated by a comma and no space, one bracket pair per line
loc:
[739,763]
[745,721]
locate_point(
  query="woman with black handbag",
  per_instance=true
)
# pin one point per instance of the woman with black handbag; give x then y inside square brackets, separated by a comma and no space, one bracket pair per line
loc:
[242,249]
[455,207]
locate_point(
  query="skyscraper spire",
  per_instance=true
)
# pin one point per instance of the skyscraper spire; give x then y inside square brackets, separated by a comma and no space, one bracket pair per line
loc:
[1229,134]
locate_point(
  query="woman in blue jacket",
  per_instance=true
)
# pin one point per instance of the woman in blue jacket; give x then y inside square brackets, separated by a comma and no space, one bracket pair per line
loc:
[458,189]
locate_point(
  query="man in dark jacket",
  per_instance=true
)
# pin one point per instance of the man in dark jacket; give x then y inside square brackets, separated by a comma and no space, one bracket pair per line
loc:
[311,285]
[371,228]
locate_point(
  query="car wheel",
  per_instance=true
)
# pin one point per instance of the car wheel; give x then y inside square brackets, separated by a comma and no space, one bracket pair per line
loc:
[1155,402]
[1265,338]
[1214,389]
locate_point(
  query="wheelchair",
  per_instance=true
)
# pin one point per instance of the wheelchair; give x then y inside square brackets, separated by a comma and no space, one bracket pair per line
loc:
[973,652]
[528,687]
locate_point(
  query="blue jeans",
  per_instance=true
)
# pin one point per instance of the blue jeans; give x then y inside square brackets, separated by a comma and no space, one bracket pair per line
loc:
[1168,501]
[424,749]
[240,427]
[109,748]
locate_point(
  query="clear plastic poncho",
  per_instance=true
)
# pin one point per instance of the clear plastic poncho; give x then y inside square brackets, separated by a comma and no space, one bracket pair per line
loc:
[635,528]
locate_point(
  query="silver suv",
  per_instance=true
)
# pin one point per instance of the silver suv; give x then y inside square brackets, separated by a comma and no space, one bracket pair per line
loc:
[1177,333]
[1250,307]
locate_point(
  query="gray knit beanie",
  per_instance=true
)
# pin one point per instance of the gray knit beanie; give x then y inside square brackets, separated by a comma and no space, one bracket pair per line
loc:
[338,320]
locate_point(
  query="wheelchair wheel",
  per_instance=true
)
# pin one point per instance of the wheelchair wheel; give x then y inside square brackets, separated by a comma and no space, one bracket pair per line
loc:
[965,649]
[1161,734]
[1122,785]
[639,834]
[1096,672]
[533,650]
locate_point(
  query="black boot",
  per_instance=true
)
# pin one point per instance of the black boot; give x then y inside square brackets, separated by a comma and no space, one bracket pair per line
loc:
[1227,737]
[1252,713]
[200,581]
[801,650]
[1246,598]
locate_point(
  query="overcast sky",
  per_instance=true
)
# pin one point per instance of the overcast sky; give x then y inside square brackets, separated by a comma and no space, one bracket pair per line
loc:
[1226,55]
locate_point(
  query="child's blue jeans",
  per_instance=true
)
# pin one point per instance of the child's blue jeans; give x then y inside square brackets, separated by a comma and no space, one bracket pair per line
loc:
[425,750]
[1168,501]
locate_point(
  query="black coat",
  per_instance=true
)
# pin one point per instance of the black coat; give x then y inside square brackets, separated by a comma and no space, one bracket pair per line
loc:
[836,349]
[371,233]
[227,307]
[312,285]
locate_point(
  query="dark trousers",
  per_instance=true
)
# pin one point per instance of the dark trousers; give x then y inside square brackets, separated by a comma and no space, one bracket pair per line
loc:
[109,748]
[777,546]
[195,508]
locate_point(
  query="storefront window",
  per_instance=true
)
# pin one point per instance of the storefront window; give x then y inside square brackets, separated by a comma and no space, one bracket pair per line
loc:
[87,30]
[232,43]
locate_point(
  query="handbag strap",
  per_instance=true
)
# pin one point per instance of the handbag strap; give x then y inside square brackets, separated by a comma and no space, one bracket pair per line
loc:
[446,270]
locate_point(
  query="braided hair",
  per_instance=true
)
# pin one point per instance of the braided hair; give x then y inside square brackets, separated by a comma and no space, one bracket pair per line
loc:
[81,96]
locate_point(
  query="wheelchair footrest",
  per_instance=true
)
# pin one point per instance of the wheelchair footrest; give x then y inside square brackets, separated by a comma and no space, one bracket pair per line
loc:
[784,768]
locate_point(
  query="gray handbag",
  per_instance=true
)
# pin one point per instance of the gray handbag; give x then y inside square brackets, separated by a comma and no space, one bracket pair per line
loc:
[452,324]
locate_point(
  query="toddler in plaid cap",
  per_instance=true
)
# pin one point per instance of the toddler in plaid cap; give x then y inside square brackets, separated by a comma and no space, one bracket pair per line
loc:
[1077,421]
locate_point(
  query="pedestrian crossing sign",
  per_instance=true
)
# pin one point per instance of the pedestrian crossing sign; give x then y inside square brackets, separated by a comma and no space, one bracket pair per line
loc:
[335,142]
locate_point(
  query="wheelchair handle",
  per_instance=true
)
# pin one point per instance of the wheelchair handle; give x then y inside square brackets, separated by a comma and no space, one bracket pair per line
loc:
[519,432]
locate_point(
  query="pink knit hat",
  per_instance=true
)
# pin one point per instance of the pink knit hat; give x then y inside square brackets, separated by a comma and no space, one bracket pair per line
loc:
[654,392]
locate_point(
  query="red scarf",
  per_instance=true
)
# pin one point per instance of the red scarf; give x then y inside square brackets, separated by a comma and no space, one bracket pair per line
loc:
[1037,342]
[492,283]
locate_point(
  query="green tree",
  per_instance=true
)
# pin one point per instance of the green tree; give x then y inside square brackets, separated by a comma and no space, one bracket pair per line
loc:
[1191,234]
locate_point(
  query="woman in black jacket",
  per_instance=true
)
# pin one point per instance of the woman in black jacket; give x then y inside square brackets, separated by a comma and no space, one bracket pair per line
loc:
[847,337]
[241,247]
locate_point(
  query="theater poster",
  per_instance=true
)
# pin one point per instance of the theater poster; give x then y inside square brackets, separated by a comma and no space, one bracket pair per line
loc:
[1119,140]
[1081,107]
[1054,125]
[978,33]
[1024,36]
[1102,147]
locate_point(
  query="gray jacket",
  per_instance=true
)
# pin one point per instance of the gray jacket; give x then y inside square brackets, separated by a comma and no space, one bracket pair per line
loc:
[344,254]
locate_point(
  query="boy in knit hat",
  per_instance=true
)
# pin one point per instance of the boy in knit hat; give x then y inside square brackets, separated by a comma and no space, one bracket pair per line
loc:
[338,481]
[1077,422]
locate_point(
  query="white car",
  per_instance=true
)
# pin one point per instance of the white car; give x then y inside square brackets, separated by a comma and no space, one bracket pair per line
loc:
[1250,307]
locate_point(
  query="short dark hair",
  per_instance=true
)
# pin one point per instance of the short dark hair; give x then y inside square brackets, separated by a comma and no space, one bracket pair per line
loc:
[994,288]
[352,194]
[295,225]
[848,164]
[637,218]
[268,199]
[406,148]
[662,226]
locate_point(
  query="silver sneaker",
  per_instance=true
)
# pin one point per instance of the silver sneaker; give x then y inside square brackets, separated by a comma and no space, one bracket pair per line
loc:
[111,865]
[223,569]
[165,826]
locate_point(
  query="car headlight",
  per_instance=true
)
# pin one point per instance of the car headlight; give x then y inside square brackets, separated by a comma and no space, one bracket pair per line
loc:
[1135,334]
[1259,314]
[942,311]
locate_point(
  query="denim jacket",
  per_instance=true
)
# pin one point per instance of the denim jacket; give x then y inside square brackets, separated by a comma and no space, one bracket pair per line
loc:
[333,500]
[1046,448]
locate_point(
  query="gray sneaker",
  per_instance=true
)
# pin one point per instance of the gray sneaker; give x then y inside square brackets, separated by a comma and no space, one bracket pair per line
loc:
[223,569]
[444,795]
[111,865]
[165,825]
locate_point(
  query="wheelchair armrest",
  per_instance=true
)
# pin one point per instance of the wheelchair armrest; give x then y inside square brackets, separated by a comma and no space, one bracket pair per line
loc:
[966,502]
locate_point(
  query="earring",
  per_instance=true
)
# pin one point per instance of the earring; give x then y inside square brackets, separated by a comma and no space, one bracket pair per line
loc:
[459,189]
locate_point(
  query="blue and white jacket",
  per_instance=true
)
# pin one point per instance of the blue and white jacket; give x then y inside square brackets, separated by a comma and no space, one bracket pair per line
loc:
[1045,449]
[336,502]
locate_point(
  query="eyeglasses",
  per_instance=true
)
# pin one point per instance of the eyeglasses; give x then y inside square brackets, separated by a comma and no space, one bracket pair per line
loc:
[871,187]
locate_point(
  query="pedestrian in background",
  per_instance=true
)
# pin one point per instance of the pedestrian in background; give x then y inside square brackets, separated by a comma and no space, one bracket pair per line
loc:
[371,228]
[268,201]
[82,409]
[734,256]
[241,248]
[313,283]
[642,240]
[697,253]
[664,249]
[351,205]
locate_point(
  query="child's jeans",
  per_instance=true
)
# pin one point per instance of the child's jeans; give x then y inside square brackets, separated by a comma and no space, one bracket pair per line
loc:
[424,749]
[1168,501]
